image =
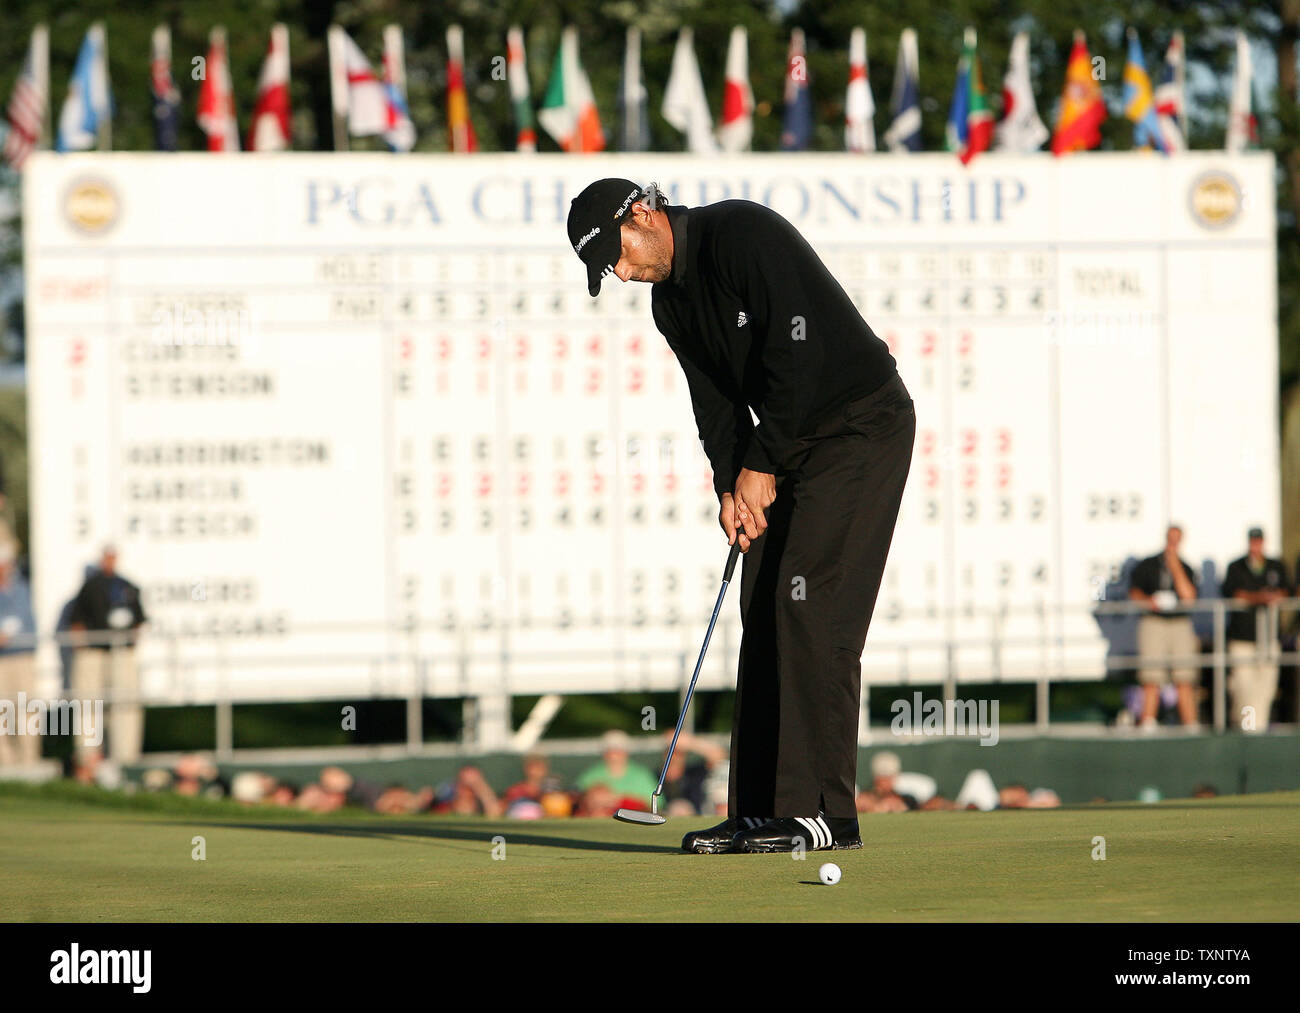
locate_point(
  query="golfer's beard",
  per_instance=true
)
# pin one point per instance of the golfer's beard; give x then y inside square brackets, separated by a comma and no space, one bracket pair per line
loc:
[662,266]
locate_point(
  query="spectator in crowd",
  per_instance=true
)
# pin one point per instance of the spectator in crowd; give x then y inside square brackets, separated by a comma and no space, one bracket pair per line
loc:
[250,787]
[17,658]
[468,795]
[686,786]
[398,800]
[107,604]
[1254,579]
[978,792]
[540,794]
[197,775]
[627,780]
[1166,585]
[881,796]
[538,781]
[598,800]
[893,789]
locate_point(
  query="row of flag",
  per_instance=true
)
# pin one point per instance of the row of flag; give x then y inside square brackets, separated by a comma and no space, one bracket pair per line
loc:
[366,103]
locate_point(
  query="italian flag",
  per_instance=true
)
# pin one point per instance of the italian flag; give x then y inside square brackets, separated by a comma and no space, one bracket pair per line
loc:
[568,112]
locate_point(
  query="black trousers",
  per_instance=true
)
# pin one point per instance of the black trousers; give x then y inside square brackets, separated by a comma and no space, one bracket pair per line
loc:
[808,589]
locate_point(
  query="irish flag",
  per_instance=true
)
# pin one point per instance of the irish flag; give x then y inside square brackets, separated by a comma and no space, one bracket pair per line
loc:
[568,112]
[1082,107]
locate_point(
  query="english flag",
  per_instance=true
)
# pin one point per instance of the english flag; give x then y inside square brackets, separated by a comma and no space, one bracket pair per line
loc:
[684,105]
[269,130]
[359,95]
[970,122]
[217,98]
[1078,126]
[904,132]
[517,73]
[26,111]
[460,130]
[1020,129]
[736,130]
[859,107]
[1171,102]
[568,111]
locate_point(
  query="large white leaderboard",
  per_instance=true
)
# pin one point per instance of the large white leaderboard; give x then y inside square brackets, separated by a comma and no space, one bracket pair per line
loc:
[312,396]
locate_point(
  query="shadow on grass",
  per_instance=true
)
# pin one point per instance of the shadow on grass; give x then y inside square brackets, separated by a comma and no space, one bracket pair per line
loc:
[477,833]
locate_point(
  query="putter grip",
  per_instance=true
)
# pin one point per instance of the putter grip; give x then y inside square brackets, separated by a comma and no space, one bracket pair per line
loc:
[731,560]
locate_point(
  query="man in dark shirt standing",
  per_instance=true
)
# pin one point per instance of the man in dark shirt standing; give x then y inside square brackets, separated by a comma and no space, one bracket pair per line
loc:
[1254,579]
[812,491]
[1166,585]
[108,607]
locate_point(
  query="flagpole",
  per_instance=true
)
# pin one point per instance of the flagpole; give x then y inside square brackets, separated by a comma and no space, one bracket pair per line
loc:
[338,87]
[41,71]
[105,142]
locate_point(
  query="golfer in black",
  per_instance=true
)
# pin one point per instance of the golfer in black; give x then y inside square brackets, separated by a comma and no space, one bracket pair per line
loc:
[812,491]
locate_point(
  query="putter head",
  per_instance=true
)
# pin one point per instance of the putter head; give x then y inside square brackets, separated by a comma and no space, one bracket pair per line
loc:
[640,816]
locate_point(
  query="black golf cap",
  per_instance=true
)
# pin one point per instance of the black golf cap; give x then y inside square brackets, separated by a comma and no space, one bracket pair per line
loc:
[1255,533]
[595,217]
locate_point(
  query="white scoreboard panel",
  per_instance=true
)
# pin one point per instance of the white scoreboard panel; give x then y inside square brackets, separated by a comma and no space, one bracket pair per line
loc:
[348,415]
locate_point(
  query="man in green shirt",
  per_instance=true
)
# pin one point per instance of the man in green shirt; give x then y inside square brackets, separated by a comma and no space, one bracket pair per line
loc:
[617,773]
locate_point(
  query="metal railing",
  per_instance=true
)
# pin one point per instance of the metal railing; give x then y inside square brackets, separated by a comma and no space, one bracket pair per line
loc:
[480,672]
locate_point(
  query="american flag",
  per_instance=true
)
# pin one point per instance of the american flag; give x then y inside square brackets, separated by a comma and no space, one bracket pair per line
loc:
[26,112]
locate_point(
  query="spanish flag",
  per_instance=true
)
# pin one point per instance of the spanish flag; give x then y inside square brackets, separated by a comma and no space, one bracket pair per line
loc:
[1082,106]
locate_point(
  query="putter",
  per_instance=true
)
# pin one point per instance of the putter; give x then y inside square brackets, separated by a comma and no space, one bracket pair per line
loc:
[653,817]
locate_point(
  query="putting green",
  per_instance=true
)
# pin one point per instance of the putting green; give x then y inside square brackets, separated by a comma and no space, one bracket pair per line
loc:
[79,855]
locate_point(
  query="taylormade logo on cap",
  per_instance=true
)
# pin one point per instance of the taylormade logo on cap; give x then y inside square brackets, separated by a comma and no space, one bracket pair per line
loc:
[583,241]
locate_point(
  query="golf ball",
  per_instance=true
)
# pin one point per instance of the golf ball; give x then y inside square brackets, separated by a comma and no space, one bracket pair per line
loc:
[829,873]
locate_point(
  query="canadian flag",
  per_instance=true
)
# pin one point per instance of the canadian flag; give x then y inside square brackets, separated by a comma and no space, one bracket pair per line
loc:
[217,98]
[270,128]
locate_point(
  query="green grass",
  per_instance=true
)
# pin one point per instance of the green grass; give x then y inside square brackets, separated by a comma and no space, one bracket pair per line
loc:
[76,854]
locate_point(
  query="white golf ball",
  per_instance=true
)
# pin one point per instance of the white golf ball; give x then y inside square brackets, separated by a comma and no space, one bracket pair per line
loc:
[829,873]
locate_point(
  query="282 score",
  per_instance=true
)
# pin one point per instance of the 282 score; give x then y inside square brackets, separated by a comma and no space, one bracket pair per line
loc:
[1109,506]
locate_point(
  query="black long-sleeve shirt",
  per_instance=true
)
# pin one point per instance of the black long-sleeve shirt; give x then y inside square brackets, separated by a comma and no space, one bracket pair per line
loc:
[100,597]
[756,320]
